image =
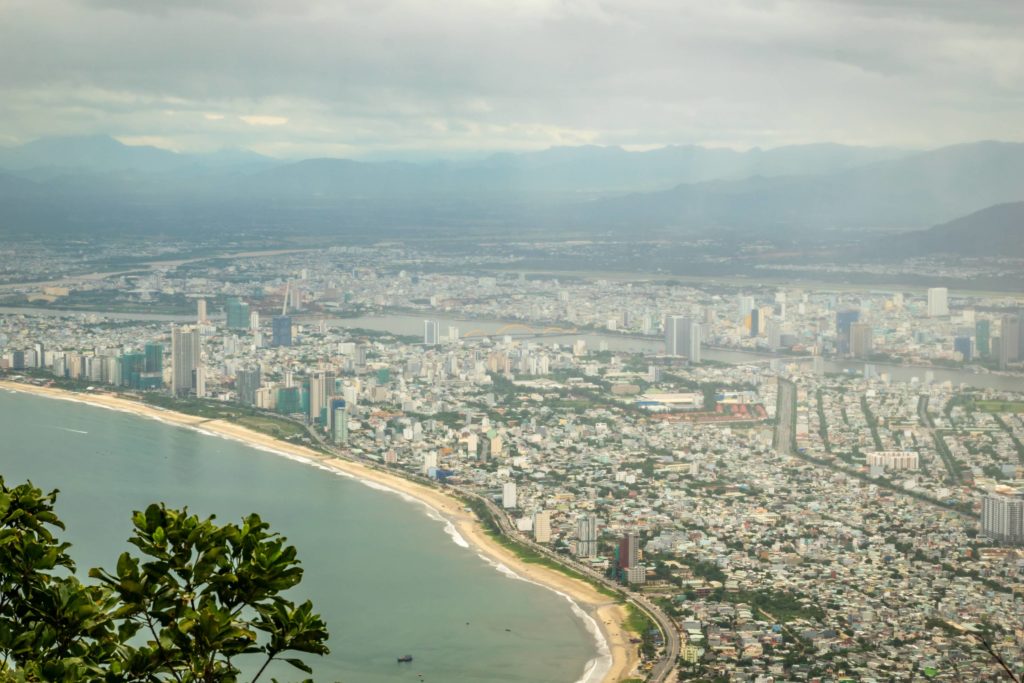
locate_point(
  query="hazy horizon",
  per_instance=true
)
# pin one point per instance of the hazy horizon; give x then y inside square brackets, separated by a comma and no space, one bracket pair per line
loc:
[399,79]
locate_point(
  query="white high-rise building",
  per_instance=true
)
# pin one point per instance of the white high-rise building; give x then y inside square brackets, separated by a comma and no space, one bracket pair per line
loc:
[682,337]
[201,311]
[430,332]
[586,536]
[1002,515]
[186,359]
[938,302]
[453,333]
[254,321]
[508,496]
[542,526]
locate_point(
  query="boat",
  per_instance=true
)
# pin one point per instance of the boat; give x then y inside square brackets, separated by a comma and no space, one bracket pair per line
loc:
[405,658]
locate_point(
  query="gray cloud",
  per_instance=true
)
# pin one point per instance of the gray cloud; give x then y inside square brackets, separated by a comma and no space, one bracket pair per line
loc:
[325,77]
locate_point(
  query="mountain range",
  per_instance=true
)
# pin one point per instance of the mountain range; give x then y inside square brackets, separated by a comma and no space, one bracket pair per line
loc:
[98,183]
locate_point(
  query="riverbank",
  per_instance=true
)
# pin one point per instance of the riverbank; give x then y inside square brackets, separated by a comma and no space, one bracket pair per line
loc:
[605,617]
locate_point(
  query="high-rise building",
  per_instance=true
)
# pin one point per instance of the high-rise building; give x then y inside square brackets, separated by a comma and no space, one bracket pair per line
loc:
[744,305]
[201,311]
[682,337]
[282,331]
[860,340]
[289,400]
[430,332]
[508,496]
[982,337]
[1020,335]
[339,421]
[844,319]
[238,314]
[938,302]
[755,322]
[186,359]
[254,321]
[247,383]
[200,381]
[542,526]
[629,551]
[1002,516]
[154,357]
[318,393]
[1009,340]
[132,367]
[962,345]
[586,536]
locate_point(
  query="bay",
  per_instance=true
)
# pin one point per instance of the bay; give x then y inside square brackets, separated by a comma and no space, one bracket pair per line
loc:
[386,576]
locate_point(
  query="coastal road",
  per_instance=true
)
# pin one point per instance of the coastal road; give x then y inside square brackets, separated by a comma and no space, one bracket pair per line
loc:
[666,664]
[663,670]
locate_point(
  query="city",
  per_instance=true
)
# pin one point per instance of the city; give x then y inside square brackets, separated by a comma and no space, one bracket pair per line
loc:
[805,484]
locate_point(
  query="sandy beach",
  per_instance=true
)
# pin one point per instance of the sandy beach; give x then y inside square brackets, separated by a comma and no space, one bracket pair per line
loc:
[608,614]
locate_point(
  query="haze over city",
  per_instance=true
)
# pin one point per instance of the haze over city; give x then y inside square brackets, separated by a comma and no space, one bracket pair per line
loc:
[564,341]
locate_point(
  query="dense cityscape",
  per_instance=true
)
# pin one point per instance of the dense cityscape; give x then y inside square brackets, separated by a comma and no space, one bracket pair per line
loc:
[796,482]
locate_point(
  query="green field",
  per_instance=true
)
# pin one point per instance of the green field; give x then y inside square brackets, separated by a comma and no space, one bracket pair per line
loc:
[268,424]
[1000,406]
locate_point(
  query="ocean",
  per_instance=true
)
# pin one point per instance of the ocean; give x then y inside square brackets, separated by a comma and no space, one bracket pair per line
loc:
[382,570]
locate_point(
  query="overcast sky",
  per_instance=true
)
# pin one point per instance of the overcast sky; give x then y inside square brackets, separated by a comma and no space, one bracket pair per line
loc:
[354,78]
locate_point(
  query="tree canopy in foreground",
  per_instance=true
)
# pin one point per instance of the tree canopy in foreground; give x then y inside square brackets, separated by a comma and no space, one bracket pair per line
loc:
[195,602]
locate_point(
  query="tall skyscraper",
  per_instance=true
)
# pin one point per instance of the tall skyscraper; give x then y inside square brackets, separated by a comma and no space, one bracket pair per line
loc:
[339,421]
[282,331]
[962,345]
[247,383]
[254,321]
[508,495]
[430,332]
[683,337]
[1009,340]
[154,357]
[586,536]
[982,337]
[755,322]
[186,359]
[844,319]
[1002,516]
[744,305]
[238,314]
[629,550]
[201,311]
[938,302]
[318,394]
[542,526]
[860,340]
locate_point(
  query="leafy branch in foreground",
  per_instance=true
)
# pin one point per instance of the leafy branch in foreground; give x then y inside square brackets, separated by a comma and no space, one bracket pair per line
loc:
[196,601]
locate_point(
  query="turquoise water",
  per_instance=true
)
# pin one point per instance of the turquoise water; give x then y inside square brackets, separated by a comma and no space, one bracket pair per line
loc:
[387,578]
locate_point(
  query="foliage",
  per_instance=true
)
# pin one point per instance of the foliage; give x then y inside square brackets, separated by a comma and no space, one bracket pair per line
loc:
[195,601]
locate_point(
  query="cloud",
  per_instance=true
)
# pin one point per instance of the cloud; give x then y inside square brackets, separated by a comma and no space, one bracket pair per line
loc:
[368,76]
[264,120]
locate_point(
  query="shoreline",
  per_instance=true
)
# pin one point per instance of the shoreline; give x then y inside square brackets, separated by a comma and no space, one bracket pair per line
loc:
[603,617]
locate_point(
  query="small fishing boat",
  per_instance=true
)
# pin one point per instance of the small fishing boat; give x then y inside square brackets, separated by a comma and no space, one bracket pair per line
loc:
[405,658]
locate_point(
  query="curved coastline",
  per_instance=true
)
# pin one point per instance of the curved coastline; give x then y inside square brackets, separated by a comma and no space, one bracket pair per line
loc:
[603,618]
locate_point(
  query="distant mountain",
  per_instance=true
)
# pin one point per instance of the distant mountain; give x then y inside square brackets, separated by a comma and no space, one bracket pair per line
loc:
[72,184]
[50,157]
[912,192]
[994,231]
[587,170]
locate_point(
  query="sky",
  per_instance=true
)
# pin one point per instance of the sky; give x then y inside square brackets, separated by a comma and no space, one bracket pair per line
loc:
[378,78]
